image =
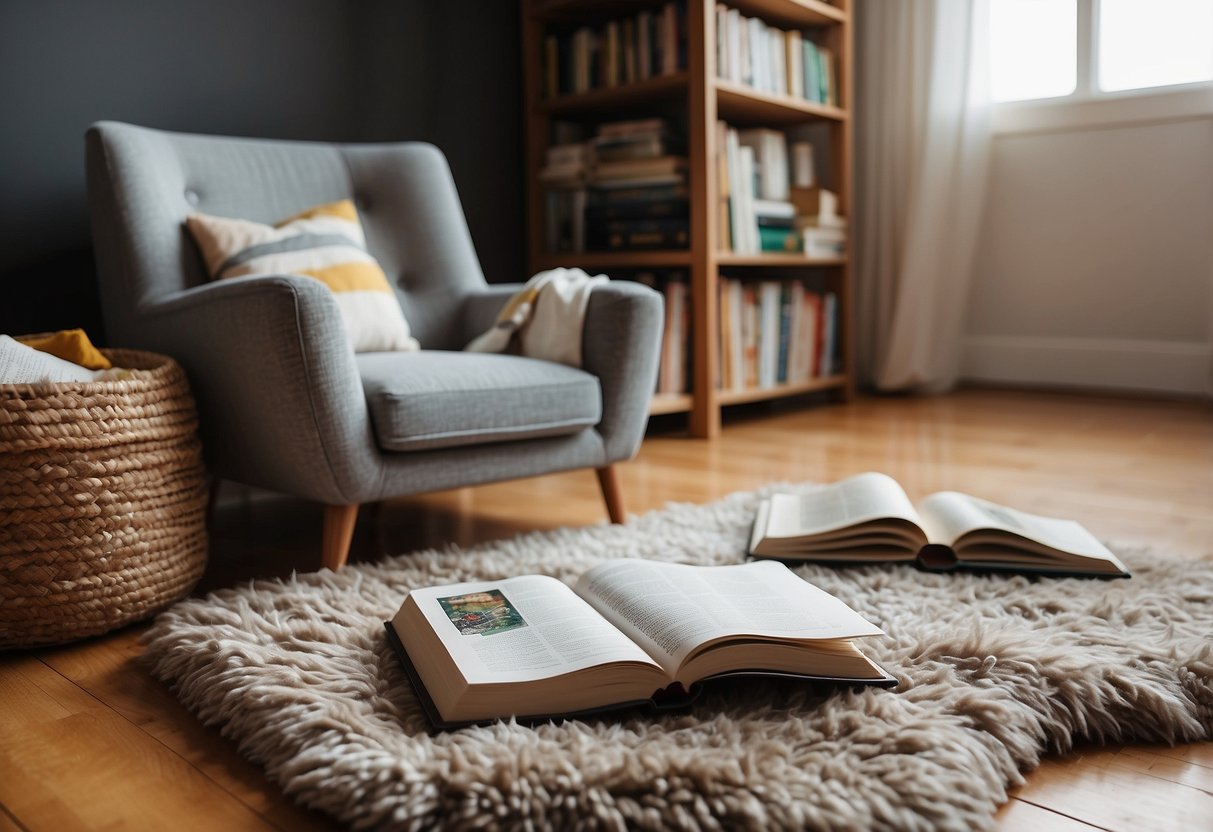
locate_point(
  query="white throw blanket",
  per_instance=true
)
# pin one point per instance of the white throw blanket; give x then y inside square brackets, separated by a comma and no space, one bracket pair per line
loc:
[547,315]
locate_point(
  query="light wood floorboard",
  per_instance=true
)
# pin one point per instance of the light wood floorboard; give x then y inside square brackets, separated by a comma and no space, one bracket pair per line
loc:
[89,740]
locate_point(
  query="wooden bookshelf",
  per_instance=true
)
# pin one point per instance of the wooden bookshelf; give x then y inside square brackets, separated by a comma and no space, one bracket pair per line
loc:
[741,105]
[616,259]
[697,97]
[620,97]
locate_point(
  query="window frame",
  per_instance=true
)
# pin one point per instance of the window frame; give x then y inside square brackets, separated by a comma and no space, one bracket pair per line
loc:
[1090,106]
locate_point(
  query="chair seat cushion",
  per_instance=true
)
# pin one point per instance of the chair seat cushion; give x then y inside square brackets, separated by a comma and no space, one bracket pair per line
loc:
[434,399]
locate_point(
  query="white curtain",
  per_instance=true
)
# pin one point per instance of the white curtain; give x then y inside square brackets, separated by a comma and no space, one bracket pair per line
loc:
[921,150]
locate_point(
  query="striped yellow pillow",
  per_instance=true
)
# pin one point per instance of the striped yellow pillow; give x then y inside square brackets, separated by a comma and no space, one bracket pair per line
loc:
[325,242]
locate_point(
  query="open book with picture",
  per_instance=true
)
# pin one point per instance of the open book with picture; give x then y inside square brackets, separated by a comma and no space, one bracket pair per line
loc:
[869,519]
[629,632]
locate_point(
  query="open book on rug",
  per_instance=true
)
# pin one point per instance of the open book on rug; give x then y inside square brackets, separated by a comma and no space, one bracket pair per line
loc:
[869,519]
[630,632]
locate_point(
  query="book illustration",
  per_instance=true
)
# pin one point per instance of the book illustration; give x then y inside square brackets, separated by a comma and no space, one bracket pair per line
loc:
[482,613]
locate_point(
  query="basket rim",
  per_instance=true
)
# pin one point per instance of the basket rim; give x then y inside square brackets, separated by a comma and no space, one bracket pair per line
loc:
[156,367]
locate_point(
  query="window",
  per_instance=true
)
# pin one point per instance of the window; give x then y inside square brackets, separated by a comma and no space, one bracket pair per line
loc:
[1088,48]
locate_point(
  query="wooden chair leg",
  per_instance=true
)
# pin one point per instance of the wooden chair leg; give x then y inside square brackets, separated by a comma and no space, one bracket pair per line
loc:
[611,492]
[339,524]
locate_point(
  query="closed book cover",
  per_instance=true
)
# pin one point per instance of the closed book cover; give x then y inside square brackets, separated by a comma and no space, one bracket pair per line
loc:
[621,235]
[631,168]
[614,210]
[640,193]
[778,239]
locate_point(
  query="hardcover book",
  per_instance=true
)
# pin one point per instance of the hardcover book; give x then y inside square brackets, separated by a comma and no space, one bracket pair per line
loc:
[869,519]
[629,632]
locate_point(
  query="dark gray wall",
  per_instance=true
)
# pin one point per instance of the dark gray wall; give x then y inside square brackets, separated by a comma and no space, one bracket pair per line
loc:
[374,70]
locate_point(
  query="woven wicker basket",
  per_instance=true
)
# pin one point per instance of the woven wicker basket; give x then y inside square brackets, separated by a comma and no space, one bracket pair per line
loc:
[102,501]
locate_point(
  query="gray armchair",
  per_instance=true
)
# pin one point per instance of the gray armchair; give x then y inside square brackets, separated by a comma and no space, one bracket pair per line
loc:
[284,404]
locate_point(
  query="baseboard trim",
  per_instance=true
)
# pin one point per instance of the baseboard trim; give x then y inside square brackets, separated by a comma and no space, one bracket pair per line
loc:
[1175,367]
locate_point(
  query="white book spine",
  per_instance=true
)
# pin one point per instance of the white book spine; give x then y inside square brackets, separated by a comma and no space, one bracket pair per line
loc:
[749,223]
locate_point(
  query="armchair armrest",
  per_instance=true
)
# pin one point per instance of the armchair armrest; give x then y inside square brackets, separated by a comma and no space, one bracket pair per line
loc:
[279,396]
[480,308]
[621,344]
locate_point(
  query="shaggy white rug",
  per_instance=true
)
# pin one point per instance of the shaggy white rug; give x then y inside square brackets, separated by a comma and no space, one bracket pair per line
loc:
[993,671]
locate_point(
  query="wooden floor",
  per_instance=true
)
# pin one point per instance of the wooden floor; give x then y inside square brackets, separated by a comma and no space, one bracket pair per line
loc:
[89,740]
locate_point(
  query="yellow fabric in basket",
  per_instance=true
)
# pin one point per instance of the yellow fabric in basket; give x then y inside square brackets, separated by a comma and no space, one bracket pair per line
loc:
[70,345]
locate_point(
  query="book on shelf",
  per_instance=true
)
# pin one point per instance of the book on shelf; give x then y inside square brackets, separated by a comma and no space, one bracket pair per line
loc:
[778,240]
[804,221]
[804,170]
[869,519]
[633,127]
[752,52]
[814,201]
[770,160]
[823,243]
[673,375]
[761,210]
[782,365]
[805,350]
[602,210]
[638,47]
[641,194]
[640,169]
[638,235]
[564,227]
[769,292]
[774,332]
[776,226]
[624,189]
[635,143]
[828,357]
[627,633]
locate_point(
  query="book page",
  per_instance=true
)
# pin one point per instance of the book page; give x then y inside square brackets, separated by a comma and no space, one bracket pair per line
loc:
[860,499]
[521,629]
[949,515]
[669,609]
[21,364]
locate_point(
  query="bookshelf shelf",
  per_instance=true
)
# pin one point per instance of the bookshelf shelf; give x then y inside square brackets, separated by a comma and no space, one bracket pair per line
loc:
[696,99]
[577,10]
[728,258]
[665,403]
[616,259]
[741,104]
[620,96]
[793,14]
[782,391]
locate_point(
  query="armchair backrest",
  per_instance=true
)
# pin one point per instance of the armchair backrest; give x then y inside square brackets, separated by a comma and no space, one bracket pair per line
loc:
[143,183]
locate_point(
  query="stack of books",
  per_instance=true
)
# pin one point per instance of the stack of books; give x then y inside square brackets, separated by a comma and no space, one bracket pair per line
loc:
[648,44]
[775,332]
[772,60]
[638,196]
[565,177]
[769,205]
[754,191]
[822,231]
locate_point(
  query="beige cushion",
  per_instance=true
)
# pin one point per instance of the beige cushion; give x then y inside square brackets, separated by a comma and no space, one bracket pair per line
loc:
[325,242]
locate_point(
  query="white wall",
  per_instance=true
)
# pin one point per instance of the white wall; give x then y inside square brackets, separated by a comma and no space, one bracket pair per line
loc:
[1095,263]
